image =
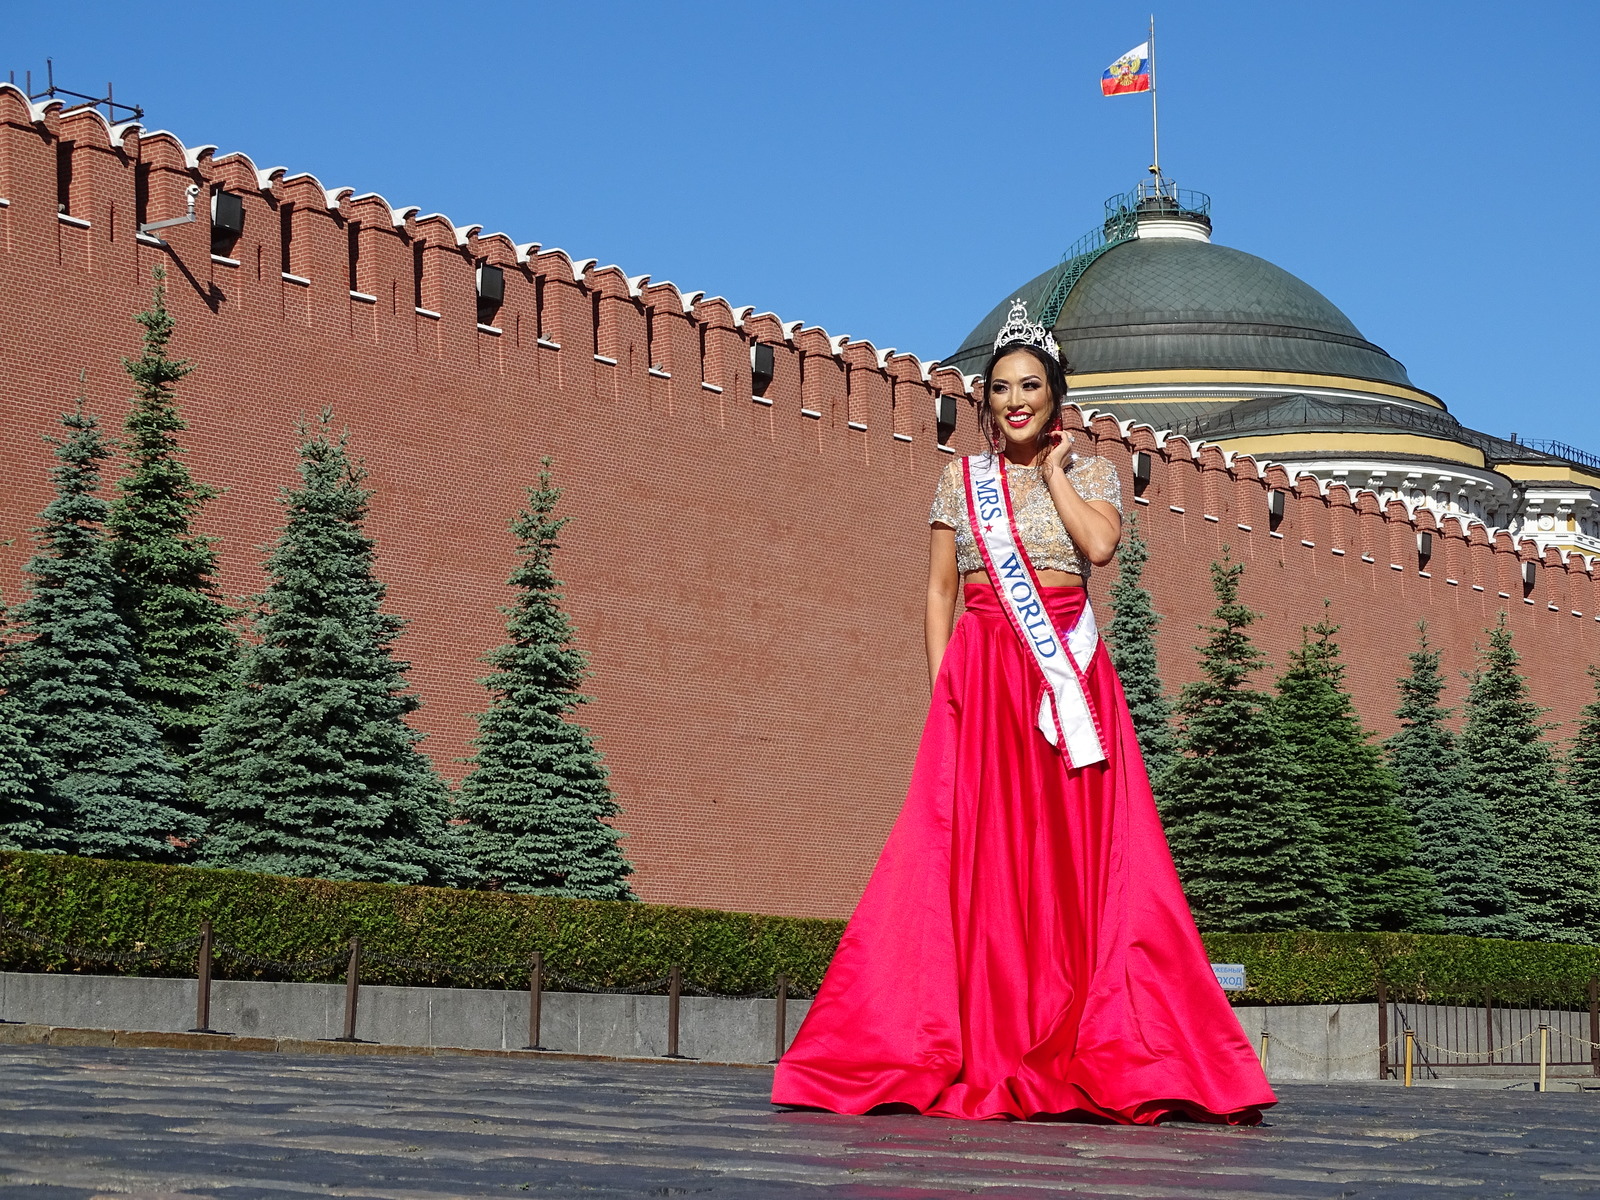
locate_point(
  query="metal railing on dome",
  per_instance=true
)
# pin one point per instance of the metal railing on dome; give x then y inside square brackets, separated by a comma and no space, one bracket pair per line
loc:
[1156,197]
[1123,227]
[1560,450]
[1159,196]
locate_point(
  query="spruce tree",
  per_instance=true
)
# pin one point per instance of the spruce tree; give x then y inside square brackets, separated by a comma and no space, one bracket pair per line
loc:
[1341,775]
[1583,762]
[30,818]
[1456,840]
[1248,848]
[537,800]
[74,677]
[1550,864]
[1132,634]
[1582,778]
[181,628]
[309,768]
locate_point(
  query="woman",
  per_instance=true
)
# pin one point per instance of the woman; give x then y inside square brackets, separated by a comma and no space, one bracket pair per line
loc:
[1023,949]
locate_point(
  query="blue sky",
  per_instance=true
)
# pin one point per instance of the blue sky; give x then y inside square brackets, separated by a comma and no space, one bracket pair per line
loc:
[890,171]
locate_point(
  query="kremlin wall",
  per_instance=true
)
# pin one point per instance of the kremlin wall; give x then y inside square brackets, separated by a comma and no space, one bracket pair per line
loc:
[747,554]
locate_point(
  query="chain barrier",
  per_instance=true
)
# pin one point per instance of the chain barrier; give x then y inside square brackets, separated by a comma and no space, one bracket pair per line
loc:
[1396,1048]
[567,983]
[1276,1044]
[1573,1037]
[438,966]
[766,993]
[1460,1053]
[140,952]
[286,966]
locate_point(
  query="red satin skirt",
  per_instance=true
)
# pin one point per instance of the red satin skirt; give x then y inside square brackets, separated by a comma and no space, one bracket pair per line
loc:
[1024,948]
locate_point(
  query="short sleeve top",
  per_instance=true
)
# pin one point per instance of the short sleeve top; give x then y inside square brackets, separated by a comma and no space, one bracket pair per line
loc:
[1038,524]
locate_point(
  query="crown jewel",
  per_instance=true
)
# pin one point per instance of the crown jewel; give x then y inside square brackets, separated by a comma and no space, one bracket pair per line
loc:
[1018,329]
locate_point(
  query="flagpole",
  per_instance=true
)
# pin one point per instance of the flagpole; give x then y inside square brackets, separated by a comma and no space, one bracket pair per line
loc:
[1155,129]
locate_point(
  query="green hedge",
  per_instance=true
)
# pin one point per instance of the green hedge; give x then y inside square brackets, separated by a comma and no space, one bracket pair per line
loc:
[1344,968]
[118,907]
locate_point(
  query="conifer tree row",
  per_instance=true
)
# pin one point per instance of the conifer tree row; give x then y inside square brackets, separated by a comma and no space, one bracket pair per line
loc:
[1549,859]
[310,768]
[1132,634]
[1582,776]
[537,801]
[1456,839]
[29,818]
[1341,776]
[181,628]
[124,673]
[110,780]
[1250,852]
[1583,758]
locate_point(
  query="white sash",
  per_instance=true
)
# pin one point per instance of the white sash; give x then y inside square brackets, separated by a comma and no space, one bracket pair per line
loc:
[1065,717]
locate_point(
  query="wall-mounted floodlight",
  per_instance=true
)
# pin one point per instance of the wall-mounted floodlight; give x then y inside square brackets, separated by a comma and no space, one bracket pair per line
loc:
[491,285]
[227,221]
[1141,468]
[945,410]
[1424,545]
[1275,505]
[1530,572]
[227,213]
[760,368]
[491,288]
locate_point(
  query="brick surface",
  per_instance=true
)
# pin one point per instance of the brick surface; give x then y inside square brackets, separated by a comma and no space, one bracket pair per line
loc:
[82,1123]
[748,578]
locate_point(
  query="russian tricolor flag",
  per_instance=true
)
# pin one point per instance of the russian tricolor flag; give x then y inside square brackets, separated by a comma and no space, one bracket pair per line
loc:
[1130,73]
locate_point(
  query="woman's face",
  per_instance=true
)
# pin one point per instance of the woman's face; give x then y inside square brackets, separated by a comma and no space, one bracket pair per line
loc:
[1019,397]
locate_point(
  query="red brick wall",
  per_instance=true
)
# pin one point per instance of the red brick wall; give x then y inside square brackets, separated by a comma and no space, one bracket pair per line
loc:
[747,578]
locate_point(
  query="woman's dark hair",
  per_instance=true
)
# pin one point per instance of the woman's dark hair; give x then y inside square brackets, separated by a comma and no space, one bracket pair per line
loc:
[1055,377]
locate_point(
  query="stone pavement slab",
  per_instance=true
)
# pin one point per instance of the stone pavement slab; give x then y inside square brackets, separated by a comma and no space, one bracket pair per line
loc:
[90,1122]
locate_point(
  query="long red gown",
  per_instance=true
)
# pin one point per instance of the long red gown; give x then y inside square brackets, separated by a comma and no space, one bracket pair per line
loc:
[1024,948]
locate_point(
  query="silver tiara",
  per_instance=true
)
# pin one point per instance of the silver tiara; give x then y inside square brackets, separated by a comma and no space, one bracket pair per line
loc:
[1018,329]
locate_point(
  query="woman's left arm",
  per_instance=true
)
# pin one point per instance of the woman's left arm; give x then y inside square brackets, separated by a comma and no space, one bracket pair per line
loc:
[1095,526]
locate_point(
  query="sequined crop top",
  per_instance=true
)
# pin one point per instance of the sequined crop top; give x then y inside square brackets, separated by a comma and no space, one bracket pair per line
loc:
[1048,544]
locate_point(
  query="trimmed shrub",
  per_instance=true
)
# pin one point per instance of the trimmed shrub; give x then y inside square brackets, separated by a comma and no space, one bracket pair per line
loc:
[1344,968]
[485,938]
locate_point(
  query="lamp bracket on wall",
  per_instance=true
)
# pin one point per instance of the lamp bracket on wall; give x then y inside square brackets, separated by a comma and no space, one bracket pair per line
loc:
[190,192]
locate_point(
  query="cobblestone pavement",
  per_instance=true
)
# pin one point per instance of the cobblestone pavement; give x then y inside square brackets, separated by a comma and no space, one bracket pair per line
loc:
[87,1122]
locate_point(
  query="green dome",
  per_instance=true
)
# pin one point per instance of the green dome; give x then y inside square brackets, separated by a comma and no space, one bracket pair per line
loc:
[1163,303]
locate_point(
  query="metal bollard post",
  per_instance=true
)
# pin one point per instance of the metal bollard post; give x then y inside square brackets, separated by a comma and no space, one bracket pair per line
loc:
[674,990]
[202,977]
[352,992]
[535,1000]
[1544,1056]
[1411,1050]
[781,1017]
[1594,1023]
[1266,1039]
[1383,1030]
[1488,1024]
